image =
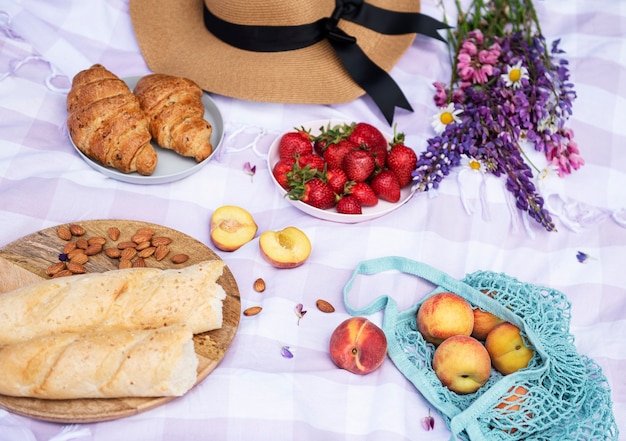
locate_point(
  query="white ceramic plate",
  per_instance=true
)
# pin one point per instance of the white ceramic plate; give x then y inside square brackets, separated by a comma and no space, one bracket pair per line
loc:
[171,166]
[380,209]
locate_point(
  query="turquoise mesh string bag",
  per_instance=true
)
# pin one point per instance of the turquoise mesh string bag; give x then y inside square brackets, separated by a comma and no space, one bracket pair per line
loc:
[565,395]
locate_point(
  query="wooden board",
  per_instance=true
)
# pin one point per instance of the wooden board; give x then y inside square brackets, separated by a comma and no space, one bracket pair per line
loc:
[25,261]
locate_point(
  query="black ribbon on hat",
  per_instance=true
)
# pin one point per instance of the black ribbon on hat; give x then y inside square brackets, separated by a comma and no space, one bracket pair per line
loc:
[368,75]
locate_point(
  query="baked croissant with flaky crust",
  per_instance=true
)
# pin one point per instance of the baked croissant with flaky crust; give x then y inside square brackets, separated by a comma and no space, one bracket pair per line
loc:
[174,108]
[107,124]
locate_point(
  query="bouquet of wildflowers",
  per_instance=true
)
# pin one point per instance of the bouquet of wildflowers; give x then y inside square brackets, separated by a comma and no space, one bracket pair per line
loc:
[507,89]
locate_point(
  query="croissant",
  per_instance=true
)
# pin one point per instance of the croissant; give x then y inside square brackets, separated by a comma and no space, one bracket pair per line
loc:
[107,124]
[174,108]
[139,363]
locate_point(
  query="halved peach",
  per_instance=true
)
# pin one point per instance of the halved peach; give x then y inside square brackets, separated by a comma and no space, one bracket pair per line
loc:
[232,227]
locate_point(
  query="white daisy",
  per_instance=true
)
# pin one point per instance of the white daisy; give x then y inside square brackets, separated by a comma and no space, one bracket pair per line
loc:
[445,115]
[473,164]
[514,75]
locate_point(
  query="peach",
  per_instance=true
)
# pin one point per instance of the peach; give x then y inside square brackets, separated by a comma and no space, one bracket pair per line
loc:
[484,321]
[443,315]
[358,345]
[287,248]
[507,349]
[231,227]
[462,364]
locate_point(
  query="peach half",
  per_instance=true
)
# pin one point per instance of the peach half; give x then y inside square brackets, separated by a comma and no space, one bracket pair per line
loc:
[287,248]
[231,227]
[358,345]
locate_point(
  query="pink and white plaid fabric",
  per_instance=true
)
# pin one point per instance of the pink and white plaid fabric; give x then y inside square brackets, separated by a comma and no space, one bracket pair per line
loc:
[255,394]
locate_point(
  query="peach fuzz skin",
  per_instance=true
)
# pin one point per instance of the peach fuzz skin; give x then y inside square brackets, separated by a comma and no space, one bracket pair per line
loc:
[358,346]
[462,364]
[444,315]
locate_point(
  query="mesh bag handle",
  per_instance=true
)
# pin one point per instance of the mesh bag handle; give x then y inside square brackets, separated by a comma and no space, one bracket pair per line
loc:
[565,395]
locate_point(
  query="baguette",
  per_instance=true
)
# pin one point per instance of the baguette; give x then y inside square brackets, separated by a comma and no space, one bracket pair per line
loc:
[110,364]
[134,298]
[107,124]
[174,108]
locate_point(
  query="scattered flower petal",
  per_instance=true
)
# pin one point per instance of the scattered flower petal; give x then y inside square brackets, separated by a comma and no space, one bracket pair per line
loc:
[285,352]
[428,422]
[582,257]
[299,311]
[249,169]
[63,257]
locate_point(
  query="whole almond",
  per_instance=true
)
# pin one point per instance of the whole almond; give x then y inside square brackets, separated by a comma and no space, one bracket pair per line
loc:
[324,306]
[69,247]
[127,244]
[80,259]
[143,245]
[97,240]
[63,273]
[259,285]
[139,263]
[179,258]
[161,251]
[141,237]
[55,268]
[128,253]
[74,253]
[145,230]
[161,240]
[125,263]
[64,233]
[92,250]
[76,268]
[76,230]
[147,252]
[82,243]
[114,233]
[113,253]
[253,310]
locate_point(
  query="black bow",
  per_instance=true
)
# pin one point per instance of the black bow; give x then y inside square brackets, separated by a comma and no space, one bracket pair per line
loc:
[367,74]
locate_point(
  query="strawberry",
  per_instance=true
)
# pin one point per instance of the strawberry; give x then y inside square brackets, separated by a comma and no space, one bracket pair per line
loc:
[313,161]
[327,136]
[334,153]
[363,193]
[364,133]
[401,160]
[386,186]
[337,180]
[318,194]
[358,165]
[349,205]
[293,143]
[281,170]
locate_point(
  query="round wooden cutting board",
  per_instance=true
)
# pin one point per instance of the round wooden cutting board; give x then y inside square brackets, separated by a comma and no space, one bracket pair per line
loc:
[25,261]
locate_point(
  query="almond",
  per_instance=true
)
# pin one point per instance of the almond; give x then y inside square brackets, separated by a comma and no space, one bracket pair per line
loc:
[161,251]
[259,285]
[64,233]
[92,250]
[76,268]
[143,245]
[161,240]
[139,263]
[253,310]
[76,230]
[74,253]
[147,252]
[113,253]
[179,258]
[80,259]
[127,244]
[82,243]
[145,230]
[98,240]
[324,306]
[69,247]
[114,233]
[141,237]
[55,268]
[63,273]
[128,253]
[125,263]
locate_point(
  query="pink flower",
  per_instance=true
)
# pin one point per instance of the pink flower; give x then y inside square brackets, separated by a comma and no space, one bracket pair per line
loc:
[477,35]
[476,65]
[441,94]
[565,155]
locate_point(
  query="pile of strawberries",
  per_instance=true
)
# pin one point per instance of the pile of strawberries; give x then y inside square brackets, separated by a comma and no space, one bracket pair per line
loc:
[346,166]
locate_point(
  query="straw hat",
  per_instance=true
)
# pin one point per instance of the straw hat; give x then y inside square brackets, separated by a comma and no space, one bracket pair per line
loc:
[174,39]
